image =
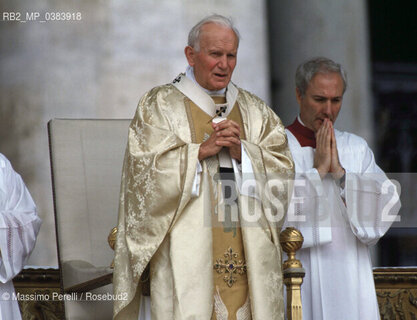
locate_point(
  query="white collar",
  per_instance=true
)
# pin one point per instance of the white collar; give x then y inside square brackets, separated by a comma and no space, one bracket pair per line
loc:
[201,98]
[299,120]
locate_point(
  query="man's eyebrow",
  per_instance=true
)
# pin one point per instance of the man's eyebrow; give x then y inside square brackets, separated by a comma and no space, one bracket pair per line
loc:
[325,97]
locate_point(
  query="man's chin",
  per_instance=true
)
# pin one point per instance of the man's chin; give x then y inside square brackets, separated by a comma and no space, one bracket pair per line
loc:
[219,85]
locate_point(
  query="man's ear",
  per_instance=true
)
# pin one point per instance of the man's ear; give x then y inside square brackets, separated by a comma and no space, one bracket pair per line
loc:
[298,95]
[189,54]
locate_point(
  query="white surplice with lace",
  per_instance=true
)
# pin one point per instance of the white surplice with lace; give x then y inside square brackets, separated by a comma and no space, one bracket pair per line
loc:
[19,226]
[339,282]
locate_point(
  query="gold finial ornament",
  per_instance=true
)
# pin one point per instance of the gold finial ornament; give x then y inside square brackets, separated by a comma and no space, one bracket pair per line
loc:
[291,240]
[111,239]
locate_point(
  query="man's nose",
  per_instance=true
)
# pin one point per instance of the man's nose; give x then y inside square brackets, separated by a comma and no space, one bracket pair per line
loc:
[328,108]
[223,62]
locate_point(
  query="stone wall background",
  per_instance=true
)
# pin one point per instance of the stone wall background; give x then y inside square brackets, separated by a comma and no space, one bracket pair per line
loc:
[99,67]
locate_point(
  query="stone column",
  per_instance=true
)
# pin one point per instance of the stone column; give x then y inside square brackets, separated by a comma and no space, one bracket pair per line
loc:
[338,30]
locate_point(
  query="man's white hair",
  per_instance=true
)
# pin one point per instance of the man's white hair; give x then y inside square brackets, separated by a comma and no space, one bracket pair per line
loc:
[195,32]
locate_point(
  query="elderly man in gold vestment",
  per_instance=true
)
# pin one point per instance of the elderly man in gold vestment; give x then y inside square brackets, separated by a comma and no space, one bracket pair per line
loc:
[208,260]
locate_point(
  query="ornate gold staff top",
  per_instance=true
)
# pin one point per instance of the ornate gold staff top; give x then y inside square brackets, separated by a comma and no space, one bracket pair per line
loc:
[291,240]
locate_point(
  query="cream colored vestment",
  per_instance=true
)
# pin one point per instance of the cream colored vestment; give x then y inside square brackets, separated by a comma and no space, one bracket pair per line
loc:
[161,223]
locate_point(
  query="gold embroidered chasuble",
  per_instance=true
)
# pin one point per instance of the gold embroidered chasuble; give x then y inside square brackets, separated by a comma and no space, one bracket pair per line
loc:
[162,223]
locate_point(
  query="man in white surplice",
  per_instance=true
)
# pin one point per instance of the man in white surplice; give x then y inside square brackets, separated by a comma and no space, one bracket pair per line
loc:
[342,202]
[19,226]
[183,135]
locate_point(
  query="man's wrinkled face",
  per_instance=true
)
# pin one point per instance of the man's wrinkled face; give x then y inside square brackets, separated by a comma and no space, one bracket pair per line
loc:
[322,99]
[215,61]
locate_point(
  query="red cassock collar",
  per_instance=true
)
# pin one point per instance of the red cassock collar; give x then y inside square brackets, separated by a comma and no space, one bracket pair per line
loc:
[304,135]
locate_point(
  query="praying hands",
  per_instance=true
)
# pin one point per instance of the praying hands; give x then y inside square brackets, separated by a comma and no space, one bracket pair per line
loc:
[225,134]
[326,157]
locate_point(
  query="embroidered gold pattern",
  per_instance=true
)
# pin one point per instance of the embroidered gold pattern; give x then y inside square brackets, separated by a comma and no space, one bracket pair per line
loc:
[230,266]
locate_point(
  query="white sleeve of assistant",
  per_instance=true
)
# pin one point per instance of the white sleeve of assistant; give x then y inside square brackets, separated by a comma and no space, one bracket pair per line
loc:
[308,210]
[19,222]
[372,201]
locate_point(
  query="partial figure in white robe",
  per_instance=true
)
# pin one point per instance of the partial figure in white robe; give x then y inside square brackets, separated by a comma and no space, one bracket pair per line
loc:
[342,201]
[19,226]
